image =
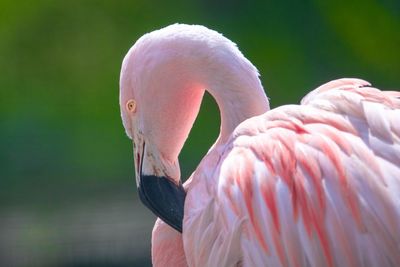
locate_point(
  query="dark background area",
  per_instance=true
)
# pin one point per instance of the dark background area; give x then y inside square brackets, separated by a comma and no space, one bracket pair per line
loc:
[67,189]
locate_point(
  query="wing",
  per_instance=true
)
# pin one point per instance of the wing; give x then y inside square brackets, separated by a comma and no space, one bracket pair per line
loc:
[316,184]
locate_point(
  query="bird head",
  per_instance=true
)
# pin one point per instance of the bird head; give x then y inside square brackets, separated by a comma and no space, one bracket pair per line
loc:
[160,97]
[163,79]
[157,177]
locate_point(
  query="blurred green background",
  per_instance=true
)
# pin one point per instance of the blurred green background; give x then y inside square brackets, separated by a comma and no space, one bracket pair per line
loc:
[67,190]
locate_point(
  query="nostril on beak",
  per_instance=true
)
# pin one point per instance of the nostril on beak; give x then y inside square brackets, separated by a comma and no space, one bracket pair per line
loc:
[137,159]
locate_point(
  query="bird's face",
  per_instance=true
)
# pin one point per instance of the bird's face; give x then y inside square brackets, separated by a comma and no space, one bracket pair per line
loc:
[136,135]
[160,97]
[157,177]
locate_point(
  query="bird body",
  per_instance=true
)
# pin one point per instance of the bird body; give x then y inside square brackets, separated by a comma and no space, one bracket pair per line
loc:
[315,184]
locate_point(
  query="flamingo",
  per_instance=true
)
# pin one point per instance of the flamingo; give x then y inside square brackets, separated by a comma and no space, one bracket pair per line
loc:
[315,184]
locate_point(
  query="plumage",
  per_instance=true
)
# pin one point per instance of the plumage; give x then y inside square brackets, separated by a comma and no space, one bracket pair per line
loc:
[315,184]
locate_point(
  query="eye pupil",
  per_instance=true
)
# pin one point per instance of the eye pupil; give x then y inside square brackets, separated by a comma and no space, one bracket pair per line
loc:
[131,105]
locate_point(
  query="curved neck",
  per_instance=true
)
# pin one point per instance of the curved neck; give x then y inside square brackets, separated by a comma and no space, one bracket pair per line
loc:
[239,96]
[172,68]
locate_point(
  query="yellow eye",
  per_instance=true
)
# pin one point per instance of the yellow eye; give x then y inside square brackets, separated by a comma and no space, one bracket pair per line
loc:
[131,105]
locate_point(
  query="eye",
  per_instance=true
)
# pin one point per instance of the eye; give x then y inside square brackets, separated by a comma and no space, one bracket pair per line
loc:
[131,105]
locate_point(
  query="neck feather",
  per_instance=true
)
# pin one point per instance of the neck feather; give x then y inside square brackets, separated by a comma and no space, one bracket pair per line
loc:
[175,66]
[238,93]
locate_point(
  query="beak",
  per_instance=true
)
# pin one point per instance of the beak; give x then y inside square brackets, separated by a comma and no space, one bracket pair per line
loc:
[160,193]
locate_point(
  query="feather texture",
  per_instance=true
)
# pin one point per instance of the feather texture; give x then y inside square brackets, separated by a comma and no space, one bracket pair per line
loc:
[316,184]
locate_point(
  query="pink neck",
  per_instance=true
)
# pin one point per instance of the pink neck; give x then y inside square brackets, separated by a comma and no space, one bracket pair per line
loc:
[174,69]
[234,85]
[239,97]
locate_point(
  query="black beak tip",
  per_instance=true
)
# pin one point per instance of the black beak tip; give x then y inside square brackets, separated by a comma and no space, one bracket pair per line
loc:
[164,198]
